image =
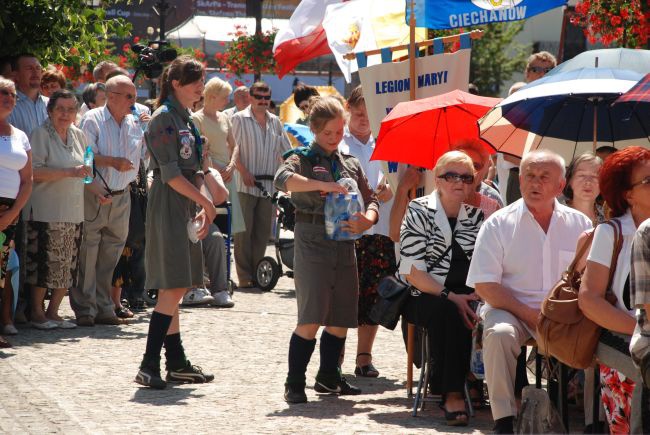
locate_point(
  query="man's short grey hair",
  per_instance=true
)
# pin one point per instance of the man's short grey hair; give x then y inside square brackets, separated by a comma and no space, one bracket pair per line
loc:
[5,83]
[543,156]
[241,90]
[98,71]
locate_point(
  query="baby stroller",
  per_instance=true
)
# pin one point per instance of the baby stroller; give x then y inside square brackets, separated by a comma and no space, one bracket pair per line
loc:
[269,270]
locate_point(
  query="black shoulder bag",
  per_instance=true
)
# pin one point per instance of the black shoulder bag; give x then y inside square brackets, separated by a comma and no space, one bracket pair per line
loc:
[392,294]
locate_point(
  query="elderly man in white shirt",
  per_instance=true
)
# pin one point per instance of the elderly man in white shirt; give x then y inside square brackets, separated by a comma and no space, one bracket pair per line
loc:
[116,140]
[520,253]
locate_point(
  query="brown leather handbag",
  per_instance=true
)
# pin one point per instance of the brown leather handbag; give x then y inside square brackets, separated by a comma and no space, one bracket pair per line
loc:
[563,331]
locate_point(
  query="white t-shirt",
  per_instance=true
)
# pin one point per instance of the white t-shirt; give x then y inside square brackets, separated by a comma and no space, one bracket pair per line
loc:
[513,250]
[13,157]
[503,173]
[374,173]
[602,249]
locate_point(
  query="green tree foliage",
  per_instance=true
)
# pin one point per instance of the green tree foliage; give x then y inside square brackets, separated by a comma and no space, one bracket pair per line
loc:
[495,57]
[67,32]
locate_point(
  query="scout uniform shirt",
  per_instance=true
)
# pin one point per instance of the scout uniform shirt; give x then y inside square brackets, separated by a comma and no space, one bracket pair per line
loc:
[171,259]
[314,163]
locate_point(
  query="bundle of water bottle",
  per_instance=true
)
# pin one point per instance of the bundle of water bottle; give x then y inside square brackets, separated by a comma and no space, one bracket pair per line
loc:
[341,207]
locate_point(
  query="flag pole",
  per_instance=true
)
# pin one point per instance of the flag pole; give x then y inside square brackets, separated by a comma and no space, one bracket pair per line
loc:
[410,340]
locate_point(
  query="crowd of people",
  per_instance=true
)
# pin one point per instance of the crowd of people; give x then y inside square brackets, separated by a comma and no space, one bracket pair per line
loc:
[479,253]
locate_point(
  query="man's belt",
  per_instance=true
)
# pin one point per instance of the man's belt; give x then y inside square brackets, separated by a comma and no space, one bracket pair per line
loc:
[310,218]
[119,192]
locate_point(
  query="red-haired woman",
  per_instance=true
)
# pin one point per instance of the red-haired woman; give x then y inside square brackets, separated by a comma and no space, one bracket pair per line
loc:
[625,185]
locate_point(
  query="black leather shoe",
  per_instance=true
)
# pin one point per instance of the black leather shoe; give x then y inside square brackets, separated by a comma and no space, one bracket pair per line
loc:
[294,393]
[340,387]
[504,425]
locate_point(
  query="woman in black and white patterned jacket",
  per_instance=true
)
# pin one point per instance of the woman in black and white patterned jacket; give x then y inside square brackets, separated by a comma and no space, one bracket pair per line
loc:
[437,242]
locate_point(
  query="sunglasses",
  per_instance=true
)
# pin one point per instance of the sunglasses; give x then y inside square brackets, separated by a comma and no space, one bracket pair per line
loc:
[453,177]
[643,182]
[128,96]
[261,97]
[7,93]
[539,69]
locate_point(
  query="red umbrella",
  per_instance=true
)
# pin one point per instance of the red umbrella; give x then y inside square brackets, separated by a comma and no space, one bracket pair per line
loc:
[639,92]
[419,132]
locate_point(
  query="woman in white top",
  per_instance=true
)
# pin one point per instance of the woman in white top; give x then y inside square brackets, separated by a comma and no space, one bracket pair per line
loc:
[55,211]
[625,185]
[15,188]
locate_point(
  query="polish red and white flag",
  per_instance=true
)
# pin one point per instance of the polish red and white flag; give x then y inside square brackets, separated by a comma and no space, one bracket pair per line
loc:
[304,38]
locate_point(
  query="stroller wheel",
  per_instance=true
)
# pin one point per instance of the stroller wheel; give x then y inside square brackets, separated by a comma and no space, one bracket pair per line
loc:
[267,274]
[231,287]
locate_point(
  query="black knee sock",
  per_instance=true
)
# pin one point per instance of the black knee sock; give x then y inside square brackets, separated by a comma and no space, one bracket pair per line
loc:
[300,351]
[158,326]
[174,352]
[330,350]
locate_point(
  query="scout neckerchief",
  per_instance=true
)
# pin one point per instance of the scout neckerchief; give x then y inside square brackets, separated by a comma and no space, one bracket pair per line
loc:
[314,158]
[195,132]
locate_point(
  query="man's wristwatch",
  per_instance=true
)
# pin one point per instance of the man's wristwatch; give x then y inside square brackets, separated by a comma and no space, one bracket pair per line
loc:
[444,293]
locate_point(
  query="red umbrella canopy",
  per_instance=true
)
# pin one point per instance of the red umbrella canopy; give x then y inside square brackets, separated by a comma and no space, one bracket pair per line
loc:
[419,132]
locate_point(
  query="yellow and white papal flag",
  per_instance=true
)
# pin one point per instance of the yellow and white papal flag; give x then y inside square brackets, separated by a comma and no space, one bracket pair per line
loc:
[362,25]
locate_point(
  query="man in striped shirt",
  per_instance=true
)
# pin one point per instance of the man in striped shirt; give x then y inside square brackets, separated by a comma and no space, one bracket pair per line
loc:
[262,141]
[116,140]
[31,105]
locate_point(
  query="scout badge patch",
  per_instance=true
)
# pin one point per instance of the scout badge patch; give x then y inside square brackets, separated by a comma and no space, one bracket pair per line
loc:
[186,144]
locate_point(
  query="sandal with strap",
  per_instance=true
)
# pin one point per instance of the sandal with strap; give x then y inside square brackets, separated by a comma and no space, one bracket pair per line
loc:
[456,418]
[367,371]
[123,313]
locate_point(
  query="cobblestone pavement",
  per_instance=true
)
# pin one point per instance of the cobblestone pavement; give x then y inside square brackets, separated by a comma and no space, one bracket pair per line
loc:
[81,380]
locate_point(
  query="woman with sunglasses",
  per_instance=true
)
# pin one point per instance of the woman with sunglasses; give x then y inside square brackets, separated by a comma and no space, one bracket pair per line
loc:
[173,260]
[15,188]
[437,241]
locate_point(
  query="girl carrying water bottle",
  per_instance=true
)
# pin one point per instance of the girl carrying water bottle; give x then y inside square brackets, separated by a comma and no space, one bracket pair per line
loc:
[325,271]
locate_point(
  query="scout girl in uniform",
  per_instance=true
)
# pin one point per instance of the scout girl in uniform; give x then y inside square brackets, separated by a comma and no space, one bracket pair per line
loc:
[173,262]
[325,271]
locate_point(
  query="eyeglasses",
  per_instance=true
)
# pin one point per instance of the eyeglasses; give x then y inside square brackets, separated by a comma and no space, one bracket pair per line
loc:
[261,97]
[453,177]
[128,96]
[63,110]
[643,182]
[539,69]
[7,93]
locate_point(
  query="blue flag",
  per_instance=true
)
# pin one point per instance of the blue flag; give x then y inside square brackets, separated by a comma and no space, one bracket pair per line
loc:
[450,14]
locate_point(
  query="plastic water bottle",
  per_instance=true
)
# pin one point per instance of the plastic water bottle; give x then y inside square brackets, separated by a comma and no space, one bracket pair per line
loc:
[193,227]
[330,215]
[136,114]
[89,157]
[353,207]
[343,215]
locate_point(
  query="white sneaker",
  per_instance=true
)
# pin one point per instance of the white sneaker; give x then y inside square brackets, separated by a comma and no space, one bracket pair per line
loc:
[222,299]
[65,324]
[196,296]
[45,326]
[9,330]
